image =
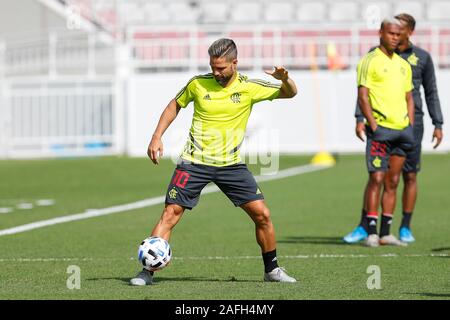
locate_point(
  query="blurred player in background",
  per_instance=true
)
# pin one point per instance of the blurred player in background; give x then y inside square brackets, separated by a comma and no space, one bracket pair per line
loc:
[223,102]
[385,98]
[423,75]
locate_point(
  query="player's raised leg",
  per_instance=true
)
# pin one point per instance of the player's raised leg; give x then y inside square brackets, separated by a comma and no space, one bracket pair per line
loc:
[170,216]
[265,236]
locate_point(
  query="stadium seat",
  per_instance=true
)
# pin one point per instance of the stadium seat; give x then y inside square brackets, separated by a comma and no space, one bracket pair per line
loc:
[444,49]
[438,10]
[214,12]
[344,11]
[245,43]
[183,12]
[131,13]
[311,11]
[423,38]
[246,12]
[414,8]
[372,12]
[279,12]
[155,12]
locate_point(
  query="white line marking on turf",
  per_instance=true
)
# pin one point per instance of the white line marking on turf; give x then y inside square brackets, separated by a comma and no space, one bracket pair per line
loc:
[149,202]
[24,206]
[307,256]
[45,202]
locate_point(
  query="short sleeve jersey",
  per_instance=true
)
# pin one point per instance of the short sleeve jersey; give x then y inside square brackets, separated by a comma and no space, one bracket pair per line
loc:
[220,116]
[388,81]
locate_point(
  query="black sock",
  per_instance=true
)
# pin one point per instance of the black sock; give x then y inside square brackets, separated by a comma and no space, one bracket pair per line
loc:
[406,220]
[386,221]
[151,272]
[372,222]
[270,260]
[364,223]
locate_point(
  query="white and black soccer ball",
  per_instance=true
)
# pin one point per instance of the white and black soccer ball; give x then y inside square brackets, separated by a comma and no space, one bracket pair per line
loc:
[154,253]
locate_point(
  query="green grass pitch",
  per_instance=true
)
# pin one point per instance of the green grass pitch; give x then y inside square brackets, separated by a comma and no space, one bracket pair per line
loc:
[215,255]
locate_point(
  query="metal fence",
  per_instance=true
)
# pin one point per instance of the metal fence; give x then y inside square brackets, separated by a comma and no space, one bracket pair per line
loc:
[291,46]
[58,118]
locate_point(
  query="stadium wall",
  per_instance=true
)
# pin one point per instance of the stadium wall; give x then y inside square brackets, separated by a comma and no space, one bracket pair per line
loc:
[320,117]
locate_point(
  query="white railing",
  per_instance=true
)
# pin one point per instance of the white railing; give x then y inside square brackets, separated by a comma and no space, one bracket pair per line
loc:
[58,118]
[258,47]
[60,53]
[160,49]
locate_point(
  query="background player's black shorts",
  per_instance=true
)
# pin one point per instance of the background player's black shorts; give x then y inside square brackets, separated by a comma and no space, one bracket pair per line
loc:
[385,142]
[412,162]
[189,179]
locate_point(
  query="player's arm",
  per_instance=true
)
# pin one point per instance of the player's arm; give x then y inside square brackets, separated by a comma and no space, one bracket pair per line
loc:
[410,105]
[432,99]
[288,88]
[366,109]
[360,129]
[155,148]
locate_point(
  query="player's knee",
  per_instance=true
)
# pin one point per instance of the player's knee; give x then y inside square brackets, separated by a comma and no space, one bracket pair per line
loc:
[410,178]
[263,217]
[376,180]
[392,182]
[171,214]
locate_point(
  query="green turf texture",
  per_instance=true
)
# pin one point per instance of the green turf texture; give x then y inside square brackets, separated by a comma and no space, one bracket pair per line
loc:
[215,255]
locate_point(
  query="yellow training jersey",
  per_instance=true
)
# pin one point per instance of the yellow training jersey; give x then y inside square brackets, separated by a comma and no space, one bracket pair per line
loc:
[388,81]
[220,116]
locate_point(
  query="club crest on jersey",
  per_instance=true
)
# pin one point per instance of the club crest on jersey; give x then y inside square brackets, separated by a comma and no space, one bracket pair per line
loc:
[207,97]
[413,59]
[173,193]
[236,97]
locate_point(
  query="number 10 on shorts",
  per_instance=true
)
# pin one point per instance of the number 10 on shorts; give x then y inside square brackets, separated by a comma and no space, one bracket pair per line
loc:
[180,179]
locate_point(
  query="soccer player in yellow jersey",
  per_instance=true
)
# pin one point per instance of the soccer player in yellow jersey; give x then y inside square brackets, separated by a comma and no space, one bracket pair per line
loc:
[223,101]
[385,97]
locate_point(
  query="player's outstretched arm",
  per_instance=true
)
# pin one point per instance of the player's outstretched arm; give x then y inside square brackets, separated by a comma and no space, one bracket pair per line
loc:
[155,147]
[288,88]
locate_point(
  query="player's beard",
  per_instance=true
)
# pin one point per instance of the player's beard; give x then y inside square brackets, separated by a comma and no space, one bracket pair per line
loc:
[223,81]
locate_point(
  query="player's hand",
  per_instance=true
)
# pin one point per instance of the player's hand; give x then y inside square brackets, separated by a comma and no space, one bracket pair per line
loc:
[437,134]
[278,72]
[360,131]
[155,150]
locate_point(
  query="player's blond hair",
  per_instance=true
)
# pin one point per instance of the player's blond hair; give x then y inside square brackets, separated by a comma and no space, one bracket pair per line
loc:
[390,20]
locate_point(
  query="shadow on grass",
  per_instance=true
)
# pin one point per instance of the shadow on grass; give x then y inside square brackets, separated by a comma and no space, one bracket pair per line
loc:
[441,249]
[430,294]
[168,279]
[314,240]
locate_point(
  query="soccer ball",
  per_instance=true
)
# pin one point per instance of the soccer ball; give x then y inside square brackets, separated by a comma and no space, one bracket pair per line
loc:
[154,253]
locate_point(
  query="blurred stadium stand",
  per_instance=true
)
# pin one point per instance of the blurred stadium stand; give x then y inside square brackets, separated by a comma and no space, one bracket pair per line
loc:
[64,48]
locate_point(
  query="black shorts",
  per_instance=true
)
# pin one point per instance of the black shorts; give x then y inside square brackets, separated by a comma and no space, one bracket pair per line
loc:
[412,162]
[385,142]
[189,179]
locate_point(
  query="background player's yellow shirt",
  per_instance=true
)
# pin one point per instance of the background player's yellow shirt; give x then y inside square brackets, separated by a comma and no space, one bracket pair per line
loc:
[388,81]
[220,116]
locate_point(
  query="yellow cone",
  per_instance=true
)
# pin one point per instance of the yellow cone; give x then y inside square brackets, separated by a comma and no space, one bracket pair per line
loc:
[323,159]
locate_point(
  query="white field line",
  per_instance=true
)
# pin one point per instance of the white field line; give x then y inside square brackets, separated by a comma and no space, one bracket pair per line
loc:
[148,202]
[307,256]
